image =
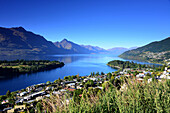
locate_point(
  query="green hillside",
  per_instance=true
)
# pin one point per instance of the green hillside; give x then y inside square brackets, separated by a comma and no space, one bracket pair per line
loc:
[158,51]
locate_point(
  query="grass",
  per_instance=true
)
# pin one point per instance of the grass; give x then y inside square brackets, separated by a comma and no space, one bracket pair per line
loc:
[136,97]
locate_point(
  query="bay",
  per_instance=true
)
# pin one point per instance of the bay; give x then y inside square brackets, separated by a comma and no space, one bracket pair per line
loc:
[82,64]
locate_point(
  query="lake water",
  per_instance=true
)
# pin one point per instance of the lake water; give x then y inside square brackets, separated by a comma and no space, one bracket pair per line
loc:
[82,64]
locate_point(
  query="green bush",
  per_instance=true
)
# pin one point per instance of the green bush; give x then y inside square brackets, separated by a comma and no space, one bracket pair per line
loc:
[137,97]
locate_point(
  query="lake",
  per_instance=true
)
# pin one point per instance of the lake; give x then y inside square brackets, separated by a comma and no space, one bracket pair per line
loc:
[82,64]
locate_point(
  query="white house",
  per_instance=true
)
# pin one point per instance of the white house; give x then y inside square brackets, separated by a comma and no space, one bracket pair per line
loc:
[71,84]
[165,76]
[149,80]
[23,93]
[140,75]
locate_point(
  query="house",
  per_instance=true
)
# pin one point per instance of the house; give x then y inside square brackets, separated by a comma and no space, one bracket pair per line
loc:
[71,85]
[80,86]
[85,80]
[56,93]
[121,73]
[19,101]
[149,80]
[4,101]
[75,79]
[27,98]
[48,95]
[99,87]
[30,88]
[141,75]
[126,69]
[49,88]
[39,98]
[62,90]
[23,93]
[34,95]
[139,80]
[6,109]
[165,76]
[94,79]
[71,89]
[123,87]
[117,77]
[168,63]
[147,73]
[41,84]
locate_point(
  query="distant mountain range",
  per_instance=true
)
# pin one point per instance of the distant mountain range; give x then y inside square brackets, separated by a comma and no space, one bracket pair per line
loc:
[72,47]
[119,50]
[75,48]
[18,41]
[158,51]
[94,48]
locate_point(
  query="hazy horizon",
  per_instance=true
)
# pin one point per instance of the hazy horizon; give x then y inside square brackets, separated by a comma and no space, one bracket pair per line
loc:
[102,23]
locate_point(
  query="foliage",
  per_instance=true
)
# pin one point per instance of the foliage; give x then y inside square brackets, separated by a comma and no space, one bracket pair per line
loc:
[153,48]
[127,64]
[138,97]
[24,66]
[8,93]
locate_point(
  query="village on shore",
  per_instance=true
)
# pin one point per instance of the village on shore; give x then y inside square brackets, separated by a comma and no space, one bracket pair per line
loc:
[26,99]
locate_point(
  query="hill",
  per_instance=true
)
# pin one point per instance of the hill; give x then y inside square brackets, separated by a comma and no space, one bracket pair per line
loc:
[18,41]
[119,50]
[94,48]
[72,47]
[158,51]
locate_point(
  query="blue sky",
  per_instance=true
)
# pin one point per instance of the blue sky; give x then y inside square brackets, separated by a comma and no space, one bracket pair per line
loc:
[104,23]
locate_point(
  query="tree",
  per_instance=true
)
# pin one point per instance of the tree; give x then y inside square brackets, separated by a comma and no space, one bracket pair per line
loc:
[163,68]
[102,73]
[66,78]
[77,76]
[97,73]
[109,75]
[48,82]
[8,93]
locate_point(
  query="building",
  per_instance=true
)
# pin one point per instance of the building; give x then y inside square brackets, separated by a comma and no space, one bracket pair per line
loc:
[17,108]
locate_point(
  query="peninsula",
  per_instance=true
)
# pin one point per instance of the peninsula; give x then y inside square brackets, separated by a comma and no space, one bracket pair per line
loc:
[17,67]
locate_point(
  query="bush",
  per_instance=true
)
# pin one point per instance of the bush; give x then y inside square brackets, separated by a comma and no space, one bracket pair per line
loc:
[138,97]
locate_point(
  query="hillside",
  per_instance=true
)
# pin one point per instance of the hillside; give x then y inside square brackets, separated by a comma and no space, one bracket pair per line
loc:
[18,41]
[94,48]
[158,51]
[119,50]
[76,48]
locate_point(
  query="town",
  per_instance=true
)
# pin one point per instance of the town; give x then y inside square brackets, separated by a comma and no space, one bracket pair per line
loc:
[29,99]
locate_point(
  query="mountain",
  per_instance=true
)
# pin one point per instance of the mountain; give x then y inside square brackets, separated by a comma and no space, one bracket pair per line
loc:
[119,50]
[18,41]
[94,49]
[157,51]
[72,47]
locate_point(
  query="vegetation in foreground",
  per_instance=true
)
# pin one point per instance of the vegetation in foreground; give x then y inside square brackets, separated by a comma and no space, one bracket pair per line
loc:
[23,66]
[135,97]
